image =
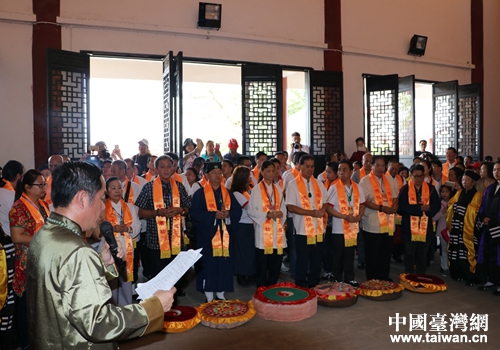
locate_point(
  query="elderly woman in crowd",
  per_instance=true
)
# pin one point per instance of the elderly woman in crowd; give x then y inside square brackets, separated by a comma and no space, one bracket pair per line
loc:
[26,216]
[486,174]
[126,226]
[461,217]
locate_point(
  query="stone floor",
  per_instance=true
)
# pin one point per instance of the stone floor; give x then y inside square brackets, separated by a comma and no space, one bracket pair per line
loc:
[364,325]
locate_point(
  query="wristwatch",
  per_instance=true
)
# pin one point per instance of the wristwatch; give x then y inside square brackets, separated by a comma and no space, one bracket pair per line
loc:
[380,208]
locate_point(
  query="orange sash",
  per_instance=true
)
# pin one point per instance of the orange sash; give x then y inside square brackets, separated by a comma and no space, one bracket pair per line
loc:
[295,171]
[256,173]
[247,195]
[418,224]
[136,180]
[268,224]
[203,181]
[323,175]
[161,221]
[177,177]
[220,245]
[399,178]
[34,212]
[350,229]
[47,199]
[148,176]
[430,180]
[129,245]
[313,235]
[385,225]
[281,184]
[327,186]
[362,173]
[131,198]
[8,186]
[446,168]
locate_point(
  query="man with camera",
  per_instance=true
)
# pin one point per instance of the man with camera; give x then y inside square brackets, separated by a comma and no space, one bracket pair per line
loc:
[296,146]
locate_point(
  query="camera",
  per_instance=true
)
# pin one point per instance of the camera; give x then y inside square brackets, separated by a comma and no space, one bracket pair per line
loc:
[296,145]
[105,154]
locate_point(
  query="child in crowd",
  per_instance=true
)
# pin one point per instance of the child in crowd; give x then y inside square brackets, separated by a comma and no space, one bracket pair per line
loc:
[442,229]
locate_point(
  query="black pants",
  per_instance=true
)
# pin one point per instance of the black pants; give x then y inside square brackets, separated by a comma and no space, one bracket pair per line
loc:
[328,250]
[144,256]
[268,267]
[378,249]
[290,241]
[153,262]
[416,254]
[22,320]
[309,256]
[343,259]
[361,248]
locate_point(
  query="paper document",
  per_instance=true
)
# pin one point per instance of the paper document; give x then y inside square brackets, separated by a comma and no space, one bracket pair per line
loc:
[169,276]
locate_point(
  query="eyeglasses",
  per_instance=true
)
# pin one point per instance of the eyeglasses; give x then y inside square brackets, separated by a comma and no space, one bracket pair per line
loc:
[43,185]
[418,176]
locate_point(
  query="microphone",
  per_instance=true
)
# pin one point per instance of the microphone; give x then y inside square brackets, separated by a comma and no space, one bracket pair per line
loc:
[107,231]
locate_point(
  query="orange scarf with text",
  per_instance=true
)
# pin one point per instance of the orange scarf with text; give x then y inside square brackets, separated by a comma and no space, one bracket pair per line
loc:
[313,235]
[386,225]
[34,212]
[161,222]
[220,244]
[350,229]
[129,245]
[418,224]
[268,224]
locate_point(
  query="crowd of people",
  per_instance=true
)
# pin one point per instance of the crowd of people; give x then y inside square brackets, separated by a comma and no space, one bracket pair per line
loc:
[253,222]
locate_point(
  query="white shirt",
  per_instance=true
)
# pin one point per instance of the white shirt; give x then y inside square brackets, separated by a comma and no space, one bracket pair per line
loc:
[191,189]
[258,215]
[6,202]
[142,181]
[292,197]
[240,197]
[337,225]
[136,224]
[370,221]
[292,150]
